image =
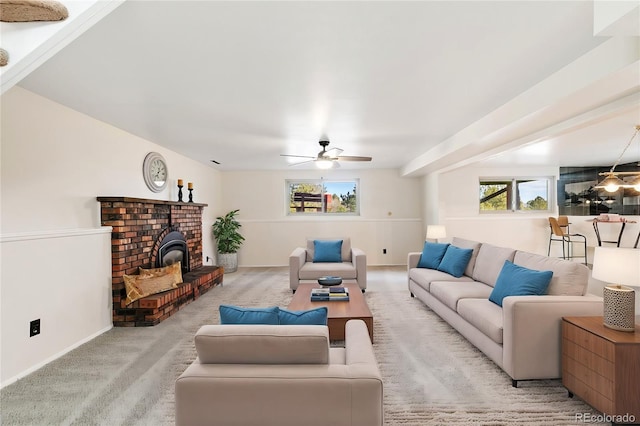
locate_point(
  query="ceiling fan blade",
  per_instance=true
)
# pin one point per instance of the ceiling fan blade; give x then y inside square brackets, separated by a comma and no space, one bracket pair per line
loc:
[297,156]
[352,158]
[301,162]
[333,152]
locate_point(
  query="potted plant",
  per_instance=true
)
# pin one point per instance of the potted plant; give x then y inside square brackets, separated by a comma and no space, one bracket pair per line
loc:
[228,240]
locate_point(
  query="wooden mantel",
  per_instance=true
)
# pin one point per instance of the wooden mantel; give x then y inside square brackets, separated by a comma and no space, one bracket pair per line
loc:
[147,201]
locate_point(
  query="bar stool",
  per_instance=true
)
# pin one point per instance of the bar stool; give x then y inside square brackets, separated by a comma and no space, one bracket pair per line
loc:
[567,239]
[563,223]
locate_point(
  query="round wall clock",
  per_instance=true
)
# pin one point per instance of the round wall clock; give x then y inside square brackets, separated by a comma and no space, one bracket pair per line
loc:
[155,172]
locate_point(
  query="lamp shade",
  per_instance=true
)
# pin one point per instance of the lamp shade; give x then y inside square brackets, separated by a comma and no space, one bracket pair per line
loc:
[611,183]
[617,265]
[436,231]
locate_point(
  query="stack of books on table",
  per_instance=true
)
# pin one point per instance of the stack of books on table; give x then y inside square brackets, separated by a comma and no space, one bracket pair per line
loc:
[329,294]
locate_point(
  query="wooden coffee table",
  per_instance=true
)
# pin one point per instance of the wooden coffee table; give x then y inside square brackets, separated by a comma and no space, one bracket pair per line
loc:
[338,312]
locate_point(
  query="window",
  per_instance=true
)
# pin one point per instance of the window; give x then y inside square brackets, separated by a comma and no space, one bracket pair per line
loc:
[578,197]
[514,194]
[323,197]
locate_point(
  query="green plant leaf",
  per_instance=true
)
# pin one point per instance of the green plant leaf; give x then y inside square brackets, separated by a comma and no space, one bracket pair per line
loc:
[226,232]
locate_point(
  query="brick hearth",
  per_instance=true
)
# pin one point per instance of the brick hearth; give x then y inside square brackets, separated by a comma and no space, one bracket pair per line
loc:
[138,226]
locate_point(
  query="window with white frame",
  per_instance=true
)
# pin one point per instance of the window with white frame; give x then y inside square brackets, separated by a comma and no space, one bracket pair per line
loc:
[323,196]
[515,194]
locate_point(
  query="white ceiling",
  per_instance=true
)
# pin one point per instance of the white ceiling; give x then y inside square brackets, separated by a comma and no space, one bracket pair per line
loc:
[243,82]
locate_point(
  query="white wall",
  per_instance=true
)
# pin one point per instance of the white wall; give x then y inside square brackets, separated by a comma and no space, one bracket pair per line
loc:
[54,163]
[62,278]
[390,215]
[459,211]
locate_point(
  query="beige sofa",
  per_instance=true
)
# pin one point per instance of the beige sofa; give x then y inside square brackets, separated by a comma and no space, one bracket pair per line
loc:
[302,268]
[280,375]
[523,337]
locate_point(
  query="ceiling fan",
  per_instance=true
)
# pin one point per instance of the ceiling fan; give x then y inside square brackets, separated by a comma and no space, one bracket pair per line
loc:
[327,158]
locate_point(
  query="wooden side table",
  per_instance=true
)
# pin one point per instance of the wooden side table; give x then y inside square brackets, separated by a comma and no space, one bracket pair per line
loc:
[602,366]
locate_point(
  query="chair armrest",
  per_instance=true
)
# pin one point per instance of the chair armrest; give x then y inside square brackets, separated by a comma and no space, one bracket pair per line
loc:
[361,363]
[358,347]
[297,258]
[359,260]
[532,332]
[412,262]
[412,259]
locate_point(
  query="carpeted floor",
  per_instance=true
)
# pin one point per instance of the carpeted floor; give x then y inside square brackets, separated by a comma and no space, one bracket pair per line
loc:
[432,375]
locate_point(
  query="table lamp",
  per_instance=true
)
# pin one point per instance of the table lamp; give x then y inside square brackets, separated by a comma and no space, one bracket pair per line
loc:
[436,231]
[621,267]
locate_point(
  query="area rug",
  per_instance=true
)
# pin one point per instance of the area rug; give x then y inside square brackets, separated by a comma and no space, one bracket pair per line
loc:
[432,375]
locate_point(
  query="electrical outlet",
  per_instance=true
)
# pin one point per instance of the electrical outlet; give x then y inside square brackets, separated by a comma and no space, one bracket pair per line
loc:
[34,328]
[384,251]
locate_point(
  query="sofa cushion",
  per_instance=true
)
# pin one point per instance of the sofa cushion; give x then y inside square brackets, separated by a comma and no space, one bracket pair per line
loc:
[313,271]
[455,261]
[317,316]
[489,263]
[263,344]
[327,251]
[569,278]
[517,280]
[424,277]
[230,314]
[432,254]
[346,248]
[469,244]
[484,315]
[450,292]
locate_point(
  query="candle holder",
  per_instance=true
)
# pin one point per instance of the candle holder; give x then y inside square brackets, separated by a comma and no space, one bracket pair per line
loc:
[180,193]
[190,195]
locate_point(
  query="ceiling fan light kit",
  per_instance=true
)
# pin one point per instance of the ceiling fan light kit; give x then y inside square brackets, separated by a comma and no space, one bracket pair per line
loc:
[612,182]
[324,163]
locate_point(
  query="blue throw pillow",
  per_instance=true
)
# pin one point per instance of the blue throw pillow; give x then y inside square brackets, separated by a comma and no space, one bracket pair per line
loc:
[236,315]
[516,280]
[455,261]
[432,254]
[317,316]
[327,251]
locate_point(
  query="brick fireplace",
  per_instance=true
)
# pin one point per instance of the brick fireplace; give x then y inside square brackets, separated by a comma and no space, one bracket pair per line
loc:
[139,227]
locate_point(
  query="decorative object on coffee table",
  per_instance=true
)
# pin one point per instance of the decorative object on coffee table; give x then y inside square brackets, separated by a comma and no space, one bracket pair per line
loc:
[228,240]
[329,281]
[333,294]
[622,267]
